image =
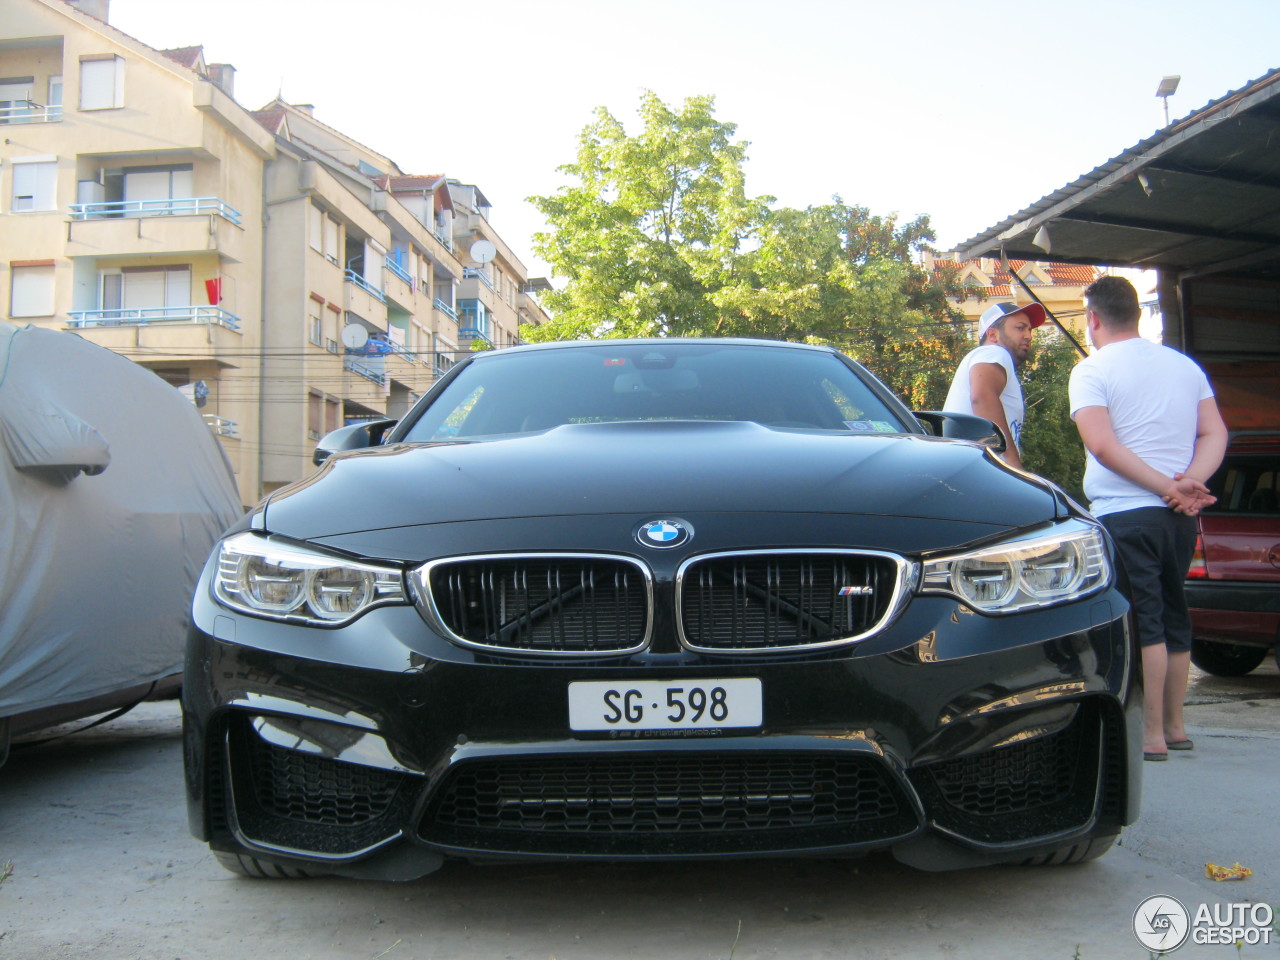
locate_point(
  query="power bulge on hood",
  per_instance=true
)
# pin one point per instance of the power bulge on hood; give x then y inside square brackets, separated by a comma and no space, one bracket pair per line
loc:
[659,599]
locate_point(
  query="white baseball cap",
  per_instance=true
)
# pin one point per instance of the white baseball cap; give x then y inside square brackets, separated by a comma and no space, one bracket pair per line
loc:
[998,311]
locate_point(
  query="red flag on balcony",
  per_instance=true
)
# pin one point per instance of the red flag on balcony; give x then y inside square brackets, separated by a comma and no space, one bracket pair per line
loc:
[214,289]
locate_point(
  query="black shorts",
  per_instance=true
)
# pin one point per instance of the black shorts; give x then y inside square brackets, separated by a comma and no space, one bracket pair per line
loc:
[1155,547]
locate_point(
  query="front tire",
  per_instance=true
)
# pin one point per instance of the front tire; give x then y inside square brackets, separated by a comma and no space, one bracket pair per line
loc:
[1225,659]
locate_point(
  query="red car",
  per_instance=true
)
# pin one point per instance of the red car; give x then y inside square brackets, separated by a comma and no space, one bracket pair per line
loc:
[1233,586]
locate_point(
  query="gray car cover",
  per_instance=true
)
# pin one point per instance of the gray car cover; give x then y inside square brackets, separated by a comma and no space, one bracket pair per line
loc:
[112,492]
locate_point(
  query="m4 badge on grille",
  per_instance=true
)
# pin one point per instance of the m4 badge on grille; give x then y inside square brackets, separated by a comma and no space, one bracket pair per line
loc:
[856,591]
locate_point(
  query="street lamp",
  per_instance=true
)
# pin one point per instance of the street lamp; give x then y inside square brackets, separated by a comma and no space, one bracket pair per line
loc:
[1168,87]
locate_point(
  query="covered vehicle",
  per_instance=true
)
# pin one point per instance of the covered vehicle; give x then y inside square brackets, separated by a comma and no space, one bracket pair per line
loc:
[659,599]
[1233,586]
[112,492]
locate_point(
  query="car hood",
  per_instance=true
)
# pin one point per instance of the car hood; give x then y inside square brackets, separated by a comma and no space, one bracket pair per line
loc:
[679,468]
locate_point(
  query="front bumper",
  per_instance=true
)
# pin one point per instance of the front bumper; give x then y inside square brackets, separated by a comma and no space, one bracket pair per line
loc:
[952,740]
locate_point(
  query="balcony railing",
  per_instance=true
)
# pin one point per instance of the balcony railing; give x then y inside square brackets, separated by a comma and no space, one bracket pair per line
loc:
[120,317]
[363,370]
[481,275]
[403,351]
[448,244]
[441,363]
[222,426]
[176,207]
[473,321]
[353,277]
[399,271]
[444,308]
[30,112]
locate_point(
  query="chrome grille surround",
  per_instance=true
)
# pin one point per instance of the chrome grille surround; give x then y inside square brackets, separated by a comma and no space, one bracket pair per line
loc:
[763,618]
[536,604]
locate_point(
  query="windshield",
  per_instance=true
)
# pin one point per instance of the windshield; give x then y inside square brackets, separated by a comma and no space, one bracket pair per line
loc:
[523,392]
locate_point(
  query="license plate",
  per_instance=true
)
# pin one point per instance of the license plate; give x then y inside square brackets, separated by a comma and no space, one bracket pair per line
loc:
[664,704]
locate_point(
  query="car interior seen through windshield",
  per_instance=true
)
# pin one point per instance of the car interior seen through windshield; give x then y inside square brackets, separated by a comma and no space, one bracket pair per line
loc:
[524,392]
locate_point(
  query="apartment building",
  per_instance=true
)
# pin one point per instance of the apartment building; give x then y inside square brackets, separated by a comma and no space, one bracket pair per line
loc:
[1059,286]
[285,276]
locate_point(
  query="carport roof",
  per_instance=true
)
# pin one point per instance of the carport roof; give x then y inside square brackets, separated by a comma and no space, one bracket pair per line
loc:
[1201,196]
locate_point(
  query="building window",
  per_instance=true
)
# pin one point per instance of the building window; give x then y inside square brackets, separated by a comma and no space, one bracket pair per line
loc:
[31,290]
[149,293]
[315,228]
[55,98]
[102,83]
[15,99]
[315,326]
[149,191]
[331,234]
[315,415]
[35,184]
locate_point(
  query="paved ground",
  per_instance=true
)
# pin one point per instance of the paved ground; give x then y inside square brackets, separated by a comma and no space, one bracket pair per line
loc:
[95,828]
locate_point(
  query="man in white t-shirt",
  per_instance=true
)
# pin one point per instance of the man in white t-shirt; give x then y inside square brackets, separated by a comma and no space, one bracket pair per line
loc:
[1154,435]
[986,381]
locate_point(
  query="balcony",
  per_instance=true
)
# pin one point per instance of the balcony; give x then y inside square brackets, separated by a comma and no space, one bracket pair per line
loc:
[354,278]
[159,228]
[222,426]
[31,113]
[444,308]
[478,274]
[442,363]
[140,316]
[364,370]
[396,270]
[474,321]
[174,207]
[404,353]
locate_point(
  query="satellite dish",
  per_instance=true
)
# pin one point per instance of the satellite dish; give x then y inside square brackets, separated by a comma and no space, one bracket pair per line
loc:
[482,251]
[354,336]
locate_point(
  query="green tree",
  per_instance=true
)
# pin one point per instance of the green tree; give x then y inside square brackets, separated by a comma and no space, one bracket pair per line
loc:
[653,224]
[897,318]
[1051,446]
[656,236]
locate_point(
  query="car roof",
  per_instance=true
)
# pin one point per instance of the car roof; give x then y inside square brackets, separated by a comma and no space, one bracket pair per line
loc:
[1253,441]
[610,342]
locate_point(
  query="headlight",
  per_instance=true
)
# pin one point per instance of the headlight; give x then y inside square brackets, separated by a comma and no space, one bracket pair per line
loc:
[258,576]
[1036,571]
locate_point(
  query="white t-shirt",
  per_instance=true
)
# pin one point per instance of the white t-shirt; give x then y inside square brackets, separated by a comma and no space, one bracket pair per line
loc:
[958,397]
[1152,394]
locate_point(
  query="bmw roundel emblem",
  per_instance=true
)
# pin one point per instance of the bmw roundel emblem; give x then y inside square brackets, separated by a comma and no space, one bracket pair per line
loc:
[664,533]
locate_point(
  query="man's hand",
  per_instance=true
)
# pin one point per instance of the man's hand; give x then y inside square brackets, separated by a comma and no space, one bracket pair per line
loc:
[1187,495]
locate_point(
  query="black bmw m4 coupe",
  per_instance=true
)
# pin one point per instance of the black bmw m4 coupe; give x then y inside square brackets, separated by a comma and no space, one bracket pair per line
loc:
[660,599]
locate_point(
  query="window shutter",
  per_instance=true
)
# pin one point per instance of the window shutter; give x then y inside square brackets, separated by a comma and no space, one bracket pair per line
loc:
[31,293]
[101,83]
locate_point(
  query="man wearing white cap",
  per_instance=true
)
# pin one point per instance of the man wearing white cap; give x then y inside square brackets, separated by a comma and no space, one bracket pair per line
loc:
[986,382]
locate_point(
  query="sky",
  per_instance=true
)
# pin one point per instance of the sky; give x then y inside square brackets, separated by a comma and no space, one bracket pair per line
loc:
[967,112]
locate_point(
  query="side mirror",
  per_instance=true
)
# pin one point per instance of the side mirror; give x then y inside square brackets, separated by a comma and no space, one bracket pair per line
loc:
[962,426]
[358,436]
[52,444]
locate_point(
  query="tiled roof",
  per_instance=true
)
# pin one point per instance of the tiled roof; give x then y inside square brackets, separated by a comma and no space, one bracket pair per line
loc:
[186,56]
[1060,274]
[270,117]
[409,182]
[1077,273]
